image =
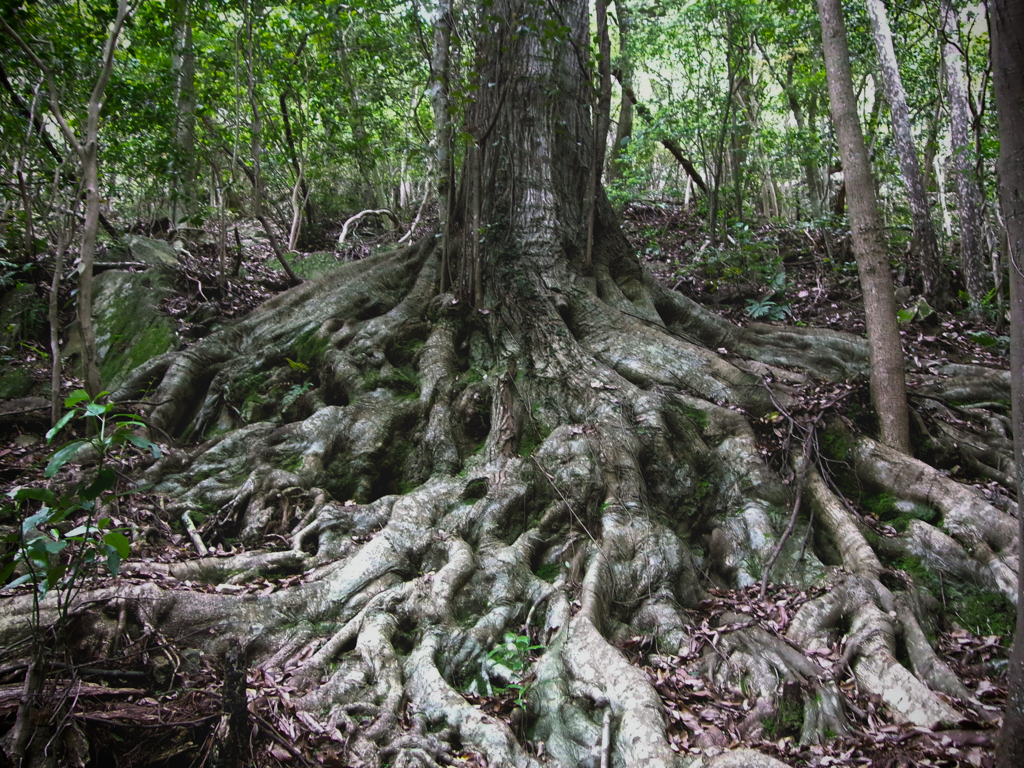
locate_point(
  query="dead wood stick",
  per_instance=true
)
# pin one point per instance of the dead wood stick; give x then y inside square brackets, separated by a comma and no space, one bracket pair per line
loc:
[352,220]
[193,534]
[277,250]
[801,478]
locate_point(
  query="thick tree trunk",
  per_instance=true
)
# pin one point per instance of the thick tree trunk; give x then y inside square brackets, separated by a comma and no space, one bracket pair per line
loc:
[888,388]
[568,459]
[972,258]
[925,245]
[1007,19]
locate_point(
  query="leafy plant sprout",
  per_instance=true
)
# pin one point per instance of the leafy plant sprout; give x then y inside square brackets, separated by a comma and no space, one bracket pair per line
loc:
[54,558]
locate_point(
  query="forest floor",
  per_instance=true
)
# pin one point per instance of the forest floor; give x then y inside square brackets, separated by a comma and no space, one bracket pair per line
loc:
[777,274]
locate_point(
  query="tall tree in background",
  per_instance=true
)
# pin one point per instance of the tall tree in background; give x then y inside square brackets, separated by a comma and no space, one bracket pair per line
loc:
[183,67]
[888,381]
[624,128]
[972,258]
[87,147]
[925,244]
[1007,21]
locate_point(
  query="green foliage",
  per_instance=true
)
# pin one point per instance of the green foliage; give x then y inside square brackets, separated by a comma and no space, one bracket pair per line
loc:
[55,556]
[887,508]
[514,652]
[293,394]
[975,609]
[548,572]
[766,309]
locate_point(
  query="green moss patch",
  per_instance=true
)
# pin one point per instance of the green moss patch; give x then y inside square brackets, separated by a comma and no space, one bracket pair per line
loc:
[14,382]
[970,606]
[130,329]
[309,265]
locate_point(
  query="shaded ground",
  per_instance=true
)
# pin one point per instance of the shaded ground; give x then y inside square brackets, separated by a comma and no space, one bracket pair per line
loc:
[180,686]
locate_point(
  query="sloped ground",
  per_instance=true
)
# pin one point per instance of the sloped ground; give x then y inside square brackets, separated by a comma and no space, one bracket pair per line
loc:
[704,719]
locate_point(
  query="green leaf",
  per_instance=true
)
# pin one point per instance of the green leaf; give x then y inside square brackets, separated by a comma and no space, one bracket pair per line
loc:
[53,547]
[75,398]
[906,315]
[62,457]
[95,409]
[34,520]
[18,581]
[104,481]
[113,560]
[34,494]
[118,541]
[7,570]
[59,425]
[144,444]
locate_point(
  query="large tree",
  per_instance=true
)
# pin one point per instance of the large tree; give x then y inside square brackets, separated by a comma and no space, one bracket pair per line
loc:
[1008,64]
[545,450]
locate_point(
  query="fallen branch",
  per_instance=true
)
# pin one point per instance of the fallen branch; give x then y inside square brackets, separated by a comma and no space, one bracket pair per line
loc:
[358,216]
[277,250]
[193,534]
[419,213]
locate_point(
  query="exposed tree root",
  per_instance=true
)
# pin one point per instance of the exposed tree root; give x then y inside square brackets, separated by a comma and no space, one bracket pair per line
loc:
[576,467]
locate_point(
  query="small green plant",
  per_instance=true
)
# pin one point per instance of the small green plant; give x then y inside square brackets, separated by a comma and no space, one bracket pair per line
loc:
[514,653]
[54,556]
[766,309]
[294,394]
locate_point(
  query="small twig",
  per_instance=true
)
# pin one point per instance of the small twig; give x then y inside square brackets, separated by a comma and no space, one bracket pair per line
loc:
[193,534]
[271,731]
[606,735]
[277,250]
[800,479]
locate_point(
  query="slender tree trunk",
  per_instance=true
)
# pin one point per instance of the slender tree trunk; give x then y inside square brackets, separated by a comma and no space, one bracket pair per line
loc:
[360,136]
[256,127]
[87,149]
[64,237]
[806,129]
[602,109]
[1006,21]
[972,259]
[294,156]
[624,130]
[888,386]
[926,247]
[183,67]
[439,101]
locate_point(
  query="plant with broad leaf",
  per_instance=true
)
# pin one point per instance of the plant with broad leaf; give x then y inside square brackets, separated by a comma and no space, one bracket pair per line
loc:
[49,554]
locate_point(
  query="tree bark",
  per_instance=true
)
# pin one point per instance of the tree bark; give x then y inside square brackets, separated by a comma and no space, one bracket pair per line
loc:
[256,126]
[888,387]
[297,166]
[925,244]
[972,258]
[443,168]
[183,68]
[624,129]
[1007,19]
[601,118]
[87,149]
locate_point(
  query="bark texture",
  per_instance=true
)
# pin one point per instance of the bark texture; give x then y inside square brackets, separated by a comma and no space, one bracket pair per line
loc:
[1007,19]
[573,461]
[972,259]
[888,387]
[925,245]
